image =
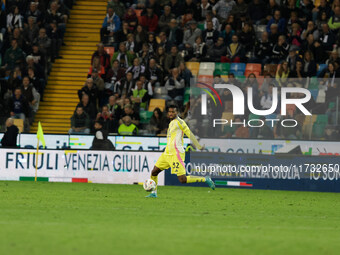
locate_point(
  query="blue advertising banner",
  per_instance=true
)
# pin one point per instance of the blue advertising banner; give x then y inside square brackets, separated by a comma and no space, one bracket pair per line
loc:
[275,172]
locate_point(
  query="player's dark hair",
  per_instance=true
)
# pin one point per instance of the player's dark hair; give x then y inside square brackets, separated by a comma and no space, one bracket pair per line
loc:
[173,106]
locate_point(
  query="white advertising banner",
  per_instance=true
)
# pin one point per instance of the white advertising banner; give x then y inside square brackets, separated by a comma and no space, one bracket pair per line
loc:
[119,167]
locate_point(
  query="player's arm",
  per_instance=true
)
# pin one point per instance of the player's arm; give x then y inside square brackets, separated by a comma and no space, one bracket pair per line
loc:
[184,127]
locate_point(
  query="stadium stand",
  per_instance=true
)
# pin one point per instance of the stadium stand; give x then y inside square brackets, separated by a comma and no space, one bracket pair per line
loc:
[285,40]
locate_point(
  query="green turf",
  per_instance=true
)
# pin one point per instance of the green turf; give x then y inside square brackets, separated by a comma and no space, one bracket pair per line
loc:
[65,218]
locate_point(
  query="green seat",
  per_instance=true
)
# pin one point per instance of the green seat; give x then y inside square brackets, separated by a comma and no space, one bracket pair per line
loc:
[314,83]
[241,78]
[222,67]
[253,116]
[331,105]
[200,26]
[145,116]
[318,130]
[322,118]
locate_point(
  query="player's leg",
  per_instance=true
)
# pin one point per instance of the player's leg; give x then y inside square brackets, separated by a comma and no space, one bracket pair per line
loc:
[161,164]
[178,167]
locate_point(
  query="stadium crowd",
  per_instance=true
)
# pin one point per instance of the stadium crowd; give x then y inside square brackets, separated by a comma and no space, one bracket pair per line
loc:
[156,42]
[31,33]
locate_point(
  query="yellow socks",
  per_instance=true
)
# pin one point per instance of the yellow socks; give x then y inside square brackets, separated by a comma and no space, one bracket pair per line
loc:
[155,179]
[191,179]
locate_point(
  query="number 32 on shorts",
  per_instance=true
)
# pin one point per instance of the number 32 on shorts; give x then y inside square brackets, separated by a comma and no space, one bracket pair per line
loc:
[175,167]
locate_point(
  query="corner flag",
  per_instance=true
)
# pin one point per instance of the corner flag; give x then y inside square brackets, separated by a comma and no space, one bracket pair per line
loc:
[40,134]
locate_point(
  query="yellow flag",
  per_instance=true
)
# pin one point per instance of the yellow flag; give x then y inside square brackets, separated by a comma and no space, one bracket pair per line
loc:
[40,134]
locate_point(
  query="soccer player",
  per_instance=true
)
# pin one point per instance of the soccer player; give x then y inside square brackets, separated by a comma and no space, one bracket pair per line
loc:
[174,154]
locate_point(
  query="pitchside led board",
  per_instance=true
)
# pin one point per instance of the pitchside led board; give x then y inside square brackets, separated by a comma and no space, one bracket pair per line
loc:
[116,167]
[256,146]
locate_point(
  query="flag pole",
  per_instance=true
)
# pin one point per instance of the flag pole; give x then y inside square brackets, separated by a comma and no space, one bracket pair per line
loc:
[36,162]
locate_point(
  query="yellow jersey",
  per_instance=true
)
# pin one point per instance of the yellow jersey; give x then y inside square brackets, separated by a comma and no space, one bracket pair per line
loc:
[177,129]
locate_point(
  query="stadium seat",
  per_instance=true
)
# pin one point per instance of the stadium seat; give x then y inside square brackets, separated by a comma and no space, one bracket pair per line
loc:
[139,14]
[206,72]
[270,68]
[223,67]
[193,67]
[253,68]
[154,103]
[321,98]
[241,78]
[237,68]
[320,68]
[227,116]
[314,93]
[20,124]
[145,116]
[110,50]
[318,130]
[208,79]
[225,77]
[313,83]
[207,65]
[200,26]
[322,118]
[253,116]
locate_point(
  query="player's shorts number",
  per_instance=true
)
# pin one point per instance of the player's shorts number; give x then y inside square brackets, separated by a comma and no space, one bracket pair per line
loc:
[175,166]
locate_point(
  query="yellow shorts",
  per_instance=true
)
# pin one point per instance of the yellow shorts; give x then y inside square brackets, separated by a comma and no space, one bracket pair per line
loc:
[176,162]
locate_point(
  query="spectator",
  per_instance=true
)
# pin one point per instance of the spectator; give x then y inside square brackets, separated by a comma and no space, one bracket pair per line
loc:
[176,7]
[157,122]
[247,37]
[30,32]
[34,13]
[103,56]
[292,58]
[130,43]
[210,35]
[14,19]
[218,50]
[97,66]
[88,107]
[164,42]
[311,29]
[18,105]
[166,18]
[280,50]
[241,131]
[263,50]
[191,34]
[128,111]
[257,11]
[9,140]
[199,50]
[127,127]
[327,38]
[282,74]
[154,74]
[277,19]
[80,123]
[140,96]
[144,55]
[334,21]
[262,132]
[203,9]
[267,98]
[140,38]
[111,25]
[43,41]
[227,34]
[30,94]
[131,19]
[121,35]
[106,117]
[174,34]
[240,8]
[150,20]
[223,8]
[160,57]
[89,89]
[235,51]
[100,140]
[185,74]
[124,57]
[136,69]
[175,86]
[117,6]
[123,88]
[114,108]
[309,65]
[173,59]
[115,73]
[146,84]
[13,56]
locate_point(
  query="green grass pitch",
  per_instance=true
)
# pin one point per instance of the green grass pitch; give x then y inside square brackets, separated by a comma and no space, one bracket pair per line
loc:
[65,218]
